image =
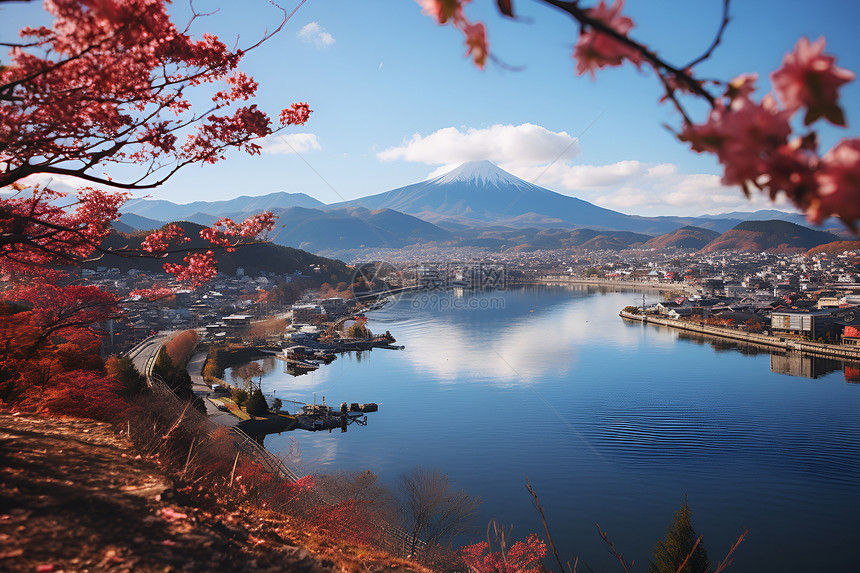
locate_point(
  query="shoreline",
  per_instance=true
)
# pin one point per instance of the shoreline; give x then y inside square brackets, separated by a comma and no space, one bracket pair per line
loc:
[625,285]
[775,342]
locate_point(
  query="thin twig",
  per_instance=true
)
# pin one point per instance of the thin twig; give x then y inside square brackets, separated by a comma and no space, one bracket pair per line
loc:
[728,558]
[690,554]
[233,471]
[614,551]
[545,526]
[581,15]
[719,37]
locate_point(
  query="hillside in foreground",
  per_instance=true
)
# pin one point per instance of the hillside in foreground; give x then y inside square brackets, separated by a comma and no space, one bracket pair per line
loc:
[76,496]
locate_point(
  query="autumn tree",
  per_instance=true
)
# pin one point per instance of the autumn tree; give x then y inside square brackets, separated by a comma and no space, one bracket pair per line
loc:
[107,84]
[181,346]
[680,544]
[764,144]
[121,369]
[432,509]
[47,330]
[247,372]
[263,329]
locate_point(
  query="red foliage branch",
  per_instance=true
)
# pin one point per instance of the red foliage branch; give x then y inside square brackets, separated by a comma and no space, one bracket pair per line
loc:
[752,140]
[106,84]
[47,330]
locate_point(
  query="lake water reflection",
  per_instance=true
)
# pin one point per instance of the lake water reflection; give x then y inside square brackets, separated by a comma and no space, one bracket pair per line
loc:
[612,422]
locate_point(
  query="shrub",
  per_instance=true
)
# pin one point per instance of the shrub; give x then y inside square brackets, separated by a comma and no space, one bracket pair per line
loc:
[680,541]
[121,369]
[85,394]
[239,396]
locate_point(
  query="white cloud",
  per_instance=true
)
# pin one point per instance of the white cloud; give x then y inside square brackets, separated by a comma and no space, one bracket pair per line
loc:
[278,144]
[313,32]
[661,189]
[525,144]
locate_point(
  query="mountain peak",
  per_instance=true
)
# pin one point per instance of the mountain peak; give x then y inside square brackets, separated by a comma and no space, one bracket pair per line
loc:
[483,172]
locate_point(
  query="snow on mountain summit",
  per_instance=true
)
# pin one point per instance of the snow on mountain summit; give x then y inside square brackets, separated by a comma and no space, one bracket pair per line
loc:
[483,172]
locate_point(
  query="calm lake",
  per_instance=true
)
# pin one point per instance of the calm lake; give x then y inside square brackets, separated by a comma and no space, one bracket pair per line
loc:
[613,423]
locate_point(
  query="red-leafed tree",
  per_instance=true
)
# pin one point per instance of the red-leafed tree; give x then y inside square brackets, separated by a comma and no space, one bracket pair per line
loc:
[107,84]
[763,144]
[46,331]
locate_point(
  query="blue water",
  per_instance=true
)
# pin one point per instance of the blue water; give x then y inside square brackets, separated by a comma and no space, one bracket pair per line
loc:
[612,422]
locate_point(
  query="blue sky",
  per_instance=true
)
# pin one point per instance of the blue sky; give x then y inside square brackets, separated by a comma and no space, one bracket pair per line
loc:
[394,100]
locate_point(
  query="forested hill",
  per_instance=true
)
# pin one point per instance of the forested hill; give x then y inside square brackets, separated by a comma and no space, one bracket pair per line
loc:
[254,258]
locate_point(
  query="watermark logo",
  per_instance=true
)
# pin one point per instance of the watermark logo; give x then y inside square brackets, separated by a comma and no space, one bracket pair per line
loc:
[438,301]
[438,285]
[444,276]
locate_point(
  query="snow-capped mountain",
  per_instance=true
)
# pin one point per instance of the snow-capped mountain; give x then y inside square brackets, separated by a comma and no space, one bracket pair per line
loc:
[479,192]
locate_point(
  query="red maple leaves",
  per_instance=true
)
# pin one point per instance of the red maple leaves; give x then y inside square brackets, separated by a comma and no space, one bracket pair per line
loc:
[751,139]
[106,84]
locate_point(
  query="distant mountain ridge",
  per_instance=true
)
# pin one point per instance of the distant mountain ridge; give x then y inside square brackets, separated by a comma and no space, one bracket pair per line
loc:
[772,236]
[162,210]
[476,204]
[253,258]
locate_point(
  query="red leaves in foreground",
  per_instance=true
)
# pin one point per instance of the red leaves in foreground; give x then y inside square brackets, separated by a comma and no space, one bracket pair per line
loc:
[45,228]
[47,330]
[752,140]
[108,83]
[82,393]
[522,557]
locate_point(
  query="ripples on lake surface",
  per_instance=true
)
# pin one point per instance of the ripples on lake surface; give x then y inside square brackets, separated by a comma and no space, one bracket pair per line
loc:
[612,422]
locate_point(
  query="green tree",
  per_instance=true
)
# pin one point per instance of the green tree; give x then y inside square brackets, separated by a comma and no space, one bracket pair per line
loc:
[680,539]
[257,404]
[176,378]
[122,369]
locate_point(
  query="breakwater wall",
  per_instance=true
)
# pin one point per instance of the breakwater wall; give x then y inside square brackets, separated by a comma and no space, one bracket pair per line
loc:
[789,344]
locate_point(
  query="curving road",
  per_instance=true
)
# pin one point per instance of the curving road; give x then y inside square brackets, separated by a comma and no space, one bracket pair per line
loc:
[144,354]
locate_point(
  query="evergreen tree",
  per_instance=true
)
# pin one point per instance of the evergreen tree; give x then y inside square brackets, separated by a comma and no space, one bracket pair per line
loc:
[177,379]
[257,404]
[680,539]
[122,369]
